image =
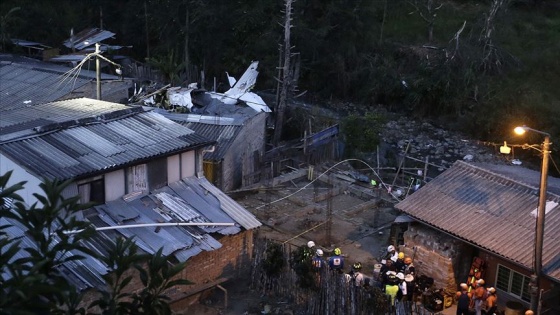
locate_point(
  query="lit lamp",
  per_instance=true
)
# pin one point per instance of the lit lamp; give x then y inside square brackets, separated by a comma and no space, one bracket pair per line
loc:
[534,286]
[505,149]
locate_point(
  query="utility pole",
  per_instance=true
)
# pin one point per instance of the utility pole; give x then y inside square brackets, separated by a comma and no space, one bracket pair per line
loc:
[98,70]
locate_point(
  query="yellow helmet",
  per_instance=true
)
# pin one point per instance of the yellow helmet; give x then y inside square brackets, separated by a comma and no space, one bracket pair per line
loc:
[337,251]
[401,255]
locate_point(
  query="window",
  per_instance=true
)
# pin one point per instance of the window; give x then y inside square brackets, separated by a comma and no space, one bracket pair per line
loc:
[513,282]
[92,191]
[157,173]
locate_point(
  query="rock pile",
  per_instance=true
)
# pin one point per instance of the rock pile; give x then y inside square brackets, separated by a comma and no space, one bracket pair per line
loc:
[440,146]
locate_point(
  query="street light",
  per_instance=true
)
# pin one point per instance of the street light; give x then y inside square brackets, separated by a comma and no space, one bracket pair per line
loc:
[539,230]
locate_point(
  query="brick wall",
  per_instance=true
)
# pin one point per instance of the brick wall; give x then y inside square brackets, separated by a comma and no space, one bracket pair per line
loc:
[437,255]
[231,261]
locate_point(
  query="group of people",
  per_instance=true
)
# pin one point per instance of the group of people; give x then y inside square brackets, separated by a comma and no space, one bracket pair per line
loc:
[483,300]
[397,277]
[335,264]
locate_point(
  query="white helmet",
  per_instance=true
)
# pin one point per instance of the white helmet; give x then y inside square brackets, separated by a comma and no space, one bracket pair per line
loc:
[310,244]
[319,252]
[390,248]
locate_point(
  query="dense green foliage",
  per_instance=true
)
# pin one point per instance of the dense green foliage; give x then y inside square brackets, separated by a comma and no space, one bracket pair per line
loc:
[361,133]
[31,276]
[368,52]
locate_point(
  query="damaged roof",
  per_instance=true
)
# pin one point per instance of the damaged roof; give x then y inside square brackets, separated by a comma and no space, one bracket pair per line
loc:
[224,135]
[79,145]
[191,200]
[87,37]
[492,207]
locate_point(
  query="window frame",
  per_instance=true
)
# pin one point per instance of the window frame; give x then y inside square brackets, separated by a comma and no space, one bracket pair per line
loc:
[509,288]
[97,182]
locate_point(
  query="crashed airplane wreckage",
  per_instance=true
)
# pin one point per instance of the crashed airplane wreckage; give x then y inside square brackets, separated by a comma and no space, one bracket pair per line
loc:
[191,99]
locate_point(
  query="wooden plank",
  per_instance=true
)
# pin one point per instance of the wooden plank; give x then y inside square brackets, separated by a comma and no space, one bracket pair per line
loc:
[204,287]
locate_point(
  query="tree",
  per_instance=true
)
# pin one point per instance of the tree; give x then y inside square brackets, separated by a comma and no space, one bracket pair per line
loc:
[5,21]
[427,9]
[286,80]
[34,283]
[36,242]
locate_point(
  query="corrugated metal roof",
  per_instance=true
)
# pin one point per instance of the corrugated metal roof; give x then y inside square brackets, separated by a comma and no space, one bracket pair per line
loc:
[26,81]
[82,274]
[71,149]
[228,205]
[223,135]
[87,37]
[183,201]
[491,206]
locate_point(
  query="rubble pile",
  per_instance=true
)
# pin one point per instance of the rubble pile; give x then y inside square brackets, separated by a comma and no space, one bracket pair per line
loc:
[440,146]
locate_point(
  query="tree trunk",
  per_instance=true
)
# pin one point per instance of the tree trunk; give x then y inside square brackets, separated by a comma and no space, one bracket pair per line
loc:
[281,107]
[147,30]
[383,22]
[187,56]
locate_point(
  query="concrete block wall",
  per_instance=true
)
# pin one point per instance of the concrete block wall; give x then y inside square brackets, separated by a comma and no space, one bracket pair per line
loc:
[434,254]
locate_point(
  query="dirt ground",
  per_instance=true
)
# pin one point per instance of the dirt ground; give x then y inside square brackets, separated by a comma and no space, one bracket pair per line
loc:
[361,224]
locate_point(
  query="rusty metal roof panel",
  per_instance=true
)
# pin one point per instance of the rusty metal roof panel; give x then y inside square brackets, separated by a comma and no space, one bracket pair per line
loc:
[491,206]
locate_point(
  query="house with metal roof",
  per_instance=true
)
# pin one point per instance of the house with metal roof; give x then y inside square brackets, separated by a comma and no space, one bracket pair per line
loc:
[236,120]
[140,168]
[235,159]
[486,211]
[27,81]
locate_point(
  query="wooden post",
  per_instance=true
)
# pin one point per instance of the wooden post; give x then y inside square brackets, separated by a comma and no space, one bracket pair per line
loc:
[98,70]
[400,165]
[426,169]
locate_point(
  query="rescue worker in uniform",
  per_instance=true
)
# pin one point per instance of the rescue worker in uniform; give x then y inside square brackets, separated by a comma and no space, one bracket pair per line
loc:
[463,300]
[392,288]
[409,267]
[392,253]
[491,302]
[318,264]
[336,262]
[399,264]
[388,266]
[355,276]
[479,296]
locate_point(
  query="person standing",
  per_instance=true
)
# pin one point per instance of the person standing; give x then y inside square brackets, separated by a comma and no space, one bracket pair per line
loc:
[410,288]
[409,267]
[491,302]
[383,273]
[336,262]
[399,264]
[317,261]
[479,296]
[463,299]
[356,276]
[392,253]
[392,289]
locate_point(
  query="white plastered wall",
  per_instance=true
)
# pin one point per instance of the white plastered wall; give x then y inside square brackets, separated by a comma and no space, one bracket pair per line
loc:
[20,174]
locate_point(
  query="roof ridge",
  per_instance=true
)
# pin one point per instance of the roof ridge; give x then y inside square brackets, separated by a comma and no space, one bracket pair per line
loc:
[102,118]
[501,176]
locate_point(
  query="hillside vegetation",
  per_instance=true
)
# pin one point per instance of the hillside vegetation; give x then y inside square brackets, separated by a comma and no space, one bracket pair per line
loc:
[487,66]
